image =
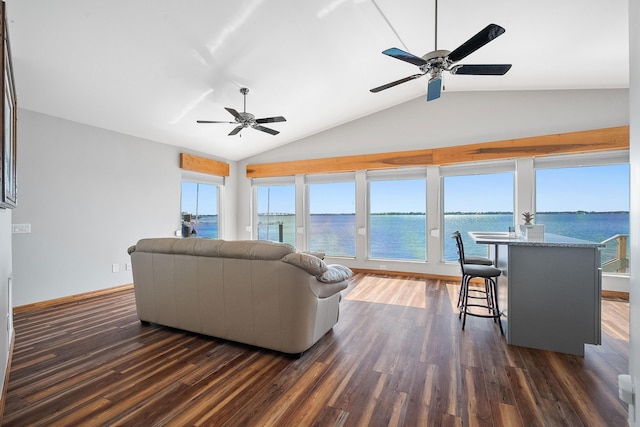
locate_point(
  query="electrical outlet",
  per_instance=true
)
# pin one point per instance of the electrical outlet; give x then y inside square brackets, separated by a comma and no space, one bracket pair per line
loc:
[21,228]
[115,268]
[128,266]
[383,266]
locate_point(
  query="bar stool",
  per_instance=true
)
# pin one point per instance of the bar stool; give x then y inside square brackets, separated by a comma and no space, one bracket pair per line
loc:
[478,260]
[489,274]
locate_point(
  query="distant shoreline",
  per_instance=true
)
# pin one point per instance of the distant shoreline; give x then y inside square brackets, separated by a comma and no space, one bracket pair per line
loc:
[459,213]
[539,213]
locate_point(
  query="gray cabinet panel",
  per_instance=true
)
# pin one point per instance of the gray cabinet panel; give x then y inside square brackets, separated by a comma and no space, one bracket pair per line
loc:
[554,297]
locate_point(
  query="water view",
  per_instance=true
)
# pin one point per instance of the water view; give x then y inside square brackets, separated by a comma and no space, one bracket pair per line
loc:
[403,236]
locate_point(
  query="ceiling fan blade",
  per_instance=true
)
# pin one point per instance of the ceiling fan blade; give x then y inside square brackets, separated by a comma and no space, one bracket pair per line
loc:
[271,119]
[489,33]
[482,70]
[434,88]
[267,130]
[211,121]
[397,82]
[404,56]
[235,130]
[233,112]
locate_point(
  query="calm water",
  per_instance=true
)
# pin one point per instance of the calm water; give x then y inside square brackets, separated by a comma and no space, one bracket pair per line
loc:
[595,227]
[404,236]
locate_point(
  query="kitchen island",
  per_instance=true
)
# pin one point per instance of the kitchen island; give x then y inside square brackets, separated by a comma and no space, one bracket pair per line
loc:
[549,291]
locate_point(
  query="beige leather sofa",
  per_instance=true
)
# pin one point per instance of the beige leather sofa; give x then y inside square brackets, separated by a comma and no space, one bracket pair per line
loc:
[255,292]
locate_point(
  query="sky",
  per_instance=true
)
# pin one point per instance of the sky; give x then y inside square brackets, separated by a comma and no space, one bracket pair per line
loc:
[479,193]
[593,188]
[206,204]
[277,199]
[398,196]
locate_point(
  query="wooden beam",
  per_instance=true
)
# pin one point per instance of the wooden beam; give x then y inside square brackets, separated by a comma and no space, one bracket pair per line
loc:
[200,164]
[565,143]
[342,164]
[616,138]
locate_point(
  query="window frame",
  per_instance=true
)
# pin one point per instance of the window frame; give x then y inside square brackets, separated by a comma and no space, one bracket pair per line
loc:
[572,161]
[334,178]
[206,179]
[271,182]
[417,173]
[469,169]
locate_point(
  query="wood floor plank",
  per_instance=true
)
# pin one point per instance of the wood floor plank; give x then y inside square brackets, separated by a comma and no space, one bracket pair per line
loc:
[396,357]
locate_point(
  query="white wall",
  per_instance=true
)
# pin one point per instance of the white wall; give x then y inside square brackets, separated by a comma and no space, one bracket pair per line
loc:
[455,119]
[460,118]
[634,108]
[88,194]
[6,330]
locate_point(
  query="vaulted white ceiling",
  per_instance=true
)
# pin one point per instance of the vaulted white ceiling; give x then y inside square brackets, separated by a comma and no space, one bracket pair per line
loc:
[151,68]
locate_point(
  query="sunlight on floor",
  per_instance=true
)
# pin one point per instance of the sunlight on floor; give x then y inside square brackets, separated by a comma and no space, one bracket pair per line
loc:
[404,292]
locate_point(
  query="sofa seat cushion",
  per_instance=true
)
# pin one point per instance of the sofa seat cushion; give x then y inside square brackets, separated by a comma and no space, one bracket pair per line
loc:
[335,273]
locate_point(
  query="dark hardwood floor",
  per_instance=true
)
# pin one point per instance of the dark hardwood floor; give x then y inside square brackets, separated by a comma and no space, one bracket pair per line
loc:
[396,357]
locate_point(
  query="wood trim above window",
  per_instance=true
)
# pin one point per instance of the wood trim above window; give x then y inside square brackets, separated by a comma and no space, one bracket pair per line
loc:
[616,138]
[200,164]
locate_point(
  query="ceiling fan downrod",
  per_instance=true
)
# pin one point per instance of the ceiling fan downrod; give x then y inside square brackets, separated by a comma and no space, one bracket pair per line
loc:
[436,27]
[244,91]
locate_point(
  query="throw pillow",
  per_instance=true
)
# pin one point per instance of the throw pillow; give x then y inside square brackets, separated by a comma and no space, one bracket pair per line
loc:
[335,273]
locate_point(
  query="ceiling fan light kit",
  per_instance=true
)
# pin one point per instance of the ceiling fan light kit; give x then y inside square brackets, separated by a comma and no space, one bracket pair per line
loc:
[439,60]
[244,120]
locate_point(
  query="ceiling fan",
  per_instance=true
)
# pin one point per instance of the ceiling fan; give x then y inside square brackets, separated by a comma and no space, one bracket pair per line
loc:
[245,120]
[437,61]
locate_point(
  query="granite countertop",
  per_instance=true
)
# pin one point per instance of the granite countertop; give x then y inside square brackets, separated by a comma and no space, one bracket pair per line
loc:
[551,240]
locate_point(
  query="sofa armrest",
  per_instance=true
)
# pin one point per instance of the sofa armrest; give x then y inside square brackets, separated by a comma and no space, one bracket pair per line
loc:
[309,263]
[326,290]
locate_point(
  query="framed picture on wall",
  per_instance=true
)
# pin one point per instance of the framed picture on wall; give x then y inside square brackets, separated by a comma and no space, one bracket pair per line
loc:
[8,109]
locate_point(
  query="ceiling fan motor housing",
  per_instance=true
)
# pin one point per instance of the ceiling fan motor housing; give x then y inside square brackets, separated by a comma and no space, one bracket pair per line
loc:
[245,117]
[436,59]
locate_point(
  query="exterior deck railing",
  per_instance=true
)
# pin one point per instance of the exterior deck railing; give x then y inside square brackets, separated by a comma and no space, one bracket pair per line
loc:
[268,224]
[620,262]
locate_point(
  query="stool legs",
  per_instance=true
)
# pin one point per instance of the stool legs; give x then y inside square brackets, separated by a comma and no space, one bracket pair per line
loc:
[491,298]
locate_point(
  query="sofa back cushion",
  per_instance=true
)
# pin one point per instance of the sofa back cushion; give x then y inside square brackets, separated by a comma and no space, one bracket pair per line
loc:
[242,249]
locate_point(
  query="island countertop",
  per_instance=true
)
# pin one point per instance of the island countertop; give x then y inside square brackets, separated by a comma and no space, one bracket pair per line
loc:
[549,240]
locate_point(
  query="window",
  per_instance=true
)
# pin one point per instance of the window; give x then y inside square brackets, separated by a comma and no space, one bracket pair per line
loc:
[276,220]
[590,203]
[398,219]
[332,218]
[476,203]
[199,207]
